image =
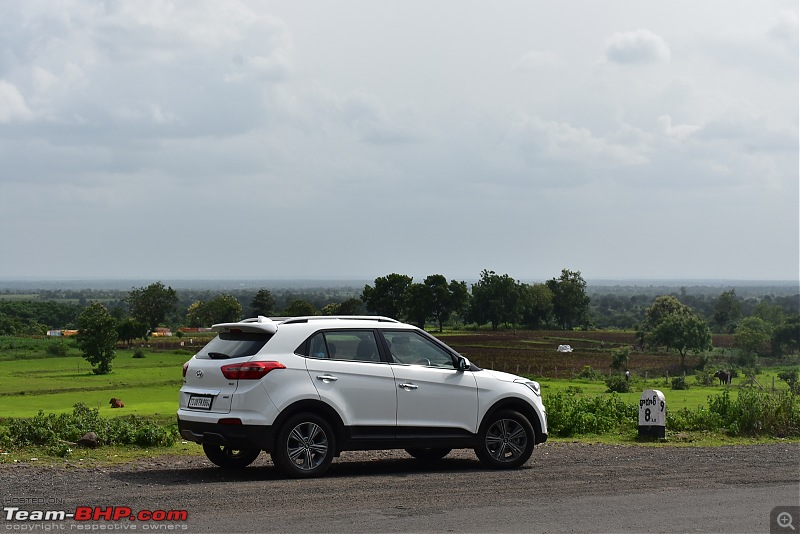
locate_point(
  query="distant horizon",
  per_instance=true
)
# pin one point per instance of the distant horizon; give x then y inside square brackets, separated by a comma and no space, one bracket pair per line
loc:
[119,282]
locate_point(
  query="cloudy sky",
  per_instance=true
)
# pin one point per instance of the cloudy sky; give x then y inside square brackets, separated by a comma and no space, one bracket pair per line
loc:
[352,139]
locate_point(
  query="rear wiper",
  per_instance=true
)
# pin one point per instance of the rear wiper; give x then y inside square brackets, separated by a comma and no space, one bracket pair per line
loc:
[218,356]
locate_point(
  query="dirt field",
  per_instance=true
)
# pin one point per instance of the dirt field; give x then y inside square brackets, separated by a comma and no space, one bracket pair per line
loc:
[534,352]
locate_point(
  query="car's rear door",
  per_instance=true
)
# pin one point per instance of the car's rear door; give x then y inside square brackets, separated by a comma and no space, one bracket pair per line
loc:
[349,374]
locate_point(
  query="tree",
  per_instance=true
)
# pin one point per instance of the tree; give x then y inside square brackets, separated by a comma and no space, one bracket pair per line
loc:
[417,304]
[262,304]
[97,337]
[786,337]
[537,305]
[221,309]
[727,311]
[300,308]
[570,301]
[751,337]
[351,306]
[445,298]
[683,332]
[150,305]
[661,308]
[130,329]
[388,297]
[459,297]
[495,299]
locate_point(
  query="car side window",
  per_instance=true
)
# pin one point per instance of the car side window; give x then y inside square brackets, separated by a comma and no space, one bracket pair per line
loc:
[353,345]
[411,348]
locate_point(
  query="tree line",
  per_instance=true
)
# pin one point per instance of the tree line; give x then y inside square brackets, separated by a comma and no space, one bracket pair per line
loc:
[769,325]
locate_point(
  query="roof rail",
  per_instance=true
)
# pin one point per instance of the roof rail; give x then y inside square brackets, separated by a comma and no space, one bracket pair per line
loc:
[376,318]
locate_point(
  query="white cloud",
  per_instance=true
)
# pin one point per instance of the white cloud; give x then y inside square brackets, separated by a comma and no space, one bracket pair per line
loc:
[536,59]
[12,104]
[511,141]
[637,47]
[676,131]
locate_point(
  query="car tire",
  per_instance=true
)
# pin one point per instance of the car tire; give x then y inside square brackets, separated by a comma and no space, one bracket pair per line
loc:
[428,455]
[505,440]
[304,447]
[230,458]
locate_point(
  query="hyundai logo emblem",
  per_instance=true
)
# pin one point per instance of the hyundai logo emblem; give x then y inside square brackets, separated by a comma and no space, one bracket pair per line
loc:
[199,373]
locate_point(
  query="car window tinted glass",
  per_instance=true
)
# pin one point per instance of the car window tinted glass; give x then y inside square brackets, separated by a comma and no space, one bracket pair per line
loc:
[234,345]
[412,348]
[358,345]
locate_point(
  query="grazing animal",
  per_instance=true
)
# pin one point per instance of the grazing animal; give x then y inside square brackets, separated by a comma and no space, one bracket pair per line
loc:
[116,403]
[724,377]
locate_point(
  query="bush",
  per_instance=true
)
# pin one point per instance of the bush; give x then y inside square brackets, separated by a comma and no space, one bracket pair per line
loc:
[618,384]
[138,353]
[57,349]
[679,382]
[51,430]
[569,414]
[752,413]
[704,378]
[588,373]
[619,359]
[792,379]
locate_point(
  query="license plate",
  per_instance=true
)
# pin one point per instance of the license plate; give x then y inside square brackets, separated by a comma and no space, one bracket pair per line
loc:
[200,402]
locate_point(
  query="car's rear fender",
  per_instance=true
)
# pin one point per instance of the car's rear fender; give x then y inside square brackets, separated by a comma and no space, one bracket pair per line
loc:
[316,407]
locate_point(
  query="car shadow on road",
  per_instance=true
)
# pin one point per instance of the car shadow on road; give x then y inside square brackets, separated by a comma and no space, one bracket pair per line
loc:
[264,470]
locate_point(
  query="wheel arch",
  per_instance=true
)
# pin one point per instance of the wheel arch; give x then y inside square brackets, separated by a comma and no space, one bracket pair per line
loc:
[518,405]
[316,407]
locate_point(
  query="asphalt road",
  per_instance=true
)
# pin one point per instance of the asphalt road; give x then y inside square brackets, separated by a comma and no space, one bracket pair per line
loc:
[564,488]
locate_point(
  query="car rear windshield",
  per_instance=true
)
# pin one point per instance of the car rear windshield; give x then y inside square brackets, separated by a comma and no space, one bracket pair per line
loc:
[234,345]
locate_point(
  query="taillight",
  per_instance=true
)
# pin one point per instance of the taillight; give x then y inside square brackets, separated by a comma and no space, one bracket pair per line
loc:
[249,370]
[185,368]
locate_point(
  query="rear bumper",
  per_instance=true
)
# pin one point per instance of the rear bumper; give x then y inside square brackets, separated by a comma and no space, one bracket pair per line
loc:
[233,436]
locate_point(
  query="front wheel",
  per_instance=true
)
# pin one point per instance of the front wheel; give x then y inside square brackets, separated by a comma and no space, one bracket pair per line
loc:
[506,440]
[228,457]
[304,447]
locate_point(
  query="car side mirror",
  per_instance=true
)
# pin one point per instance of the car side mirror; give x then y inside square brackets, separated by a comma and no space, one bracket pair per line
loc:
[463,364]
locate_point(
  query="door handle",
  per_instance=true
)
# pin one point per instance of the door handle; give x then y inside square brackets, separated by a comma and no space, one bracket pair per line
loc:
[406,385]
[327,378]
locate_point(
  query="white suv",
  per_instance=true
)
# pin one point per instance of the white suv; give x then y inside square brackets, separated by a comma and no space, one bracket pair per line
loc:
[307,388]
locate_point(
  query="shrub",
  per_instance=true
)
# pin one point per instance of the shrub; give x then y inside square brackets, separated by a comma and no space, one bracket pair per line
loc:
[57,349]
[618,384]
[704,378]
[569,414]
[138,353]
[51,430]
[792,379]
[589,374]
[619,359]
[679,382]
[752,413]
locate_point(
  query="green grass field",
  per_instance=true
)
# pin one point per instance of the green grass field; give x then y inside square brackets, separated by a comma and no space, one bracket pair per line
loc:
[147,386]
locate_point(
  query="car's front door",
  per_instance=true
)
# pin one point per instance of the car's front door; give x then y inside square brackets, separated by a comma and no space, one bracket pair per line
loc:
[432,395]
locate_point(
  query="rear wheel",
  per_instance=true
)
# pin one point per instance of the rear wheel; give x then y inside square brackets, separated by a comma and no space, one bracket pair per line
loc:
[304,447]
[228,457]
[506,440]
[428,455]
